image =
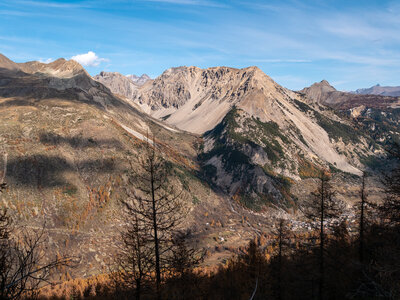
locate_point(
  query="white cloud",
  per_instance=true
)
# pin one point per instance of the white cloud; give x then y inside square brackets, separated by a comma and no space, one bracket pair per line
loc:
[46,61]
[89,59]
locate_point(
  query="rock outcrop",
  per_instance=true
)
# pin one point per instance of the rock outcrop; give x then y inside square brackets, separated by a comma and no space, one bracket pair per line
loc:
[117,83]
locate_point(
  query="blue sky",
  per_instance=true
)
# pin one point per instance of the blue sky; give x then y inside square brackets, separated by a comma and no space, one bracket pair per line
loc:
[352,44]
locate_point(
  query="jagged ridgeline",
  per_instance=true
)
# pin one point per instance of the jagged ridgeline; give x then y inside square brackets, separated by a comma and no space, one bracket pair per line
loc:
[259,137]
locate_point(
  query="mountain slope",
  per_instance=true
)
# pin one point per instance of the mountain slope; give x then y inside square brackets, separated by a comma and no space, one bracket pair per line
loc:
[7,64]
[61,78]
[66,145]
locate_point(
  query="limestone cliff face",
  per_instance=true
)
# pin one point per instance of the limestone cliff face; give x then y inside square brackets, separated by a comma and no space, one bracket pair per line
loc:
[197,99]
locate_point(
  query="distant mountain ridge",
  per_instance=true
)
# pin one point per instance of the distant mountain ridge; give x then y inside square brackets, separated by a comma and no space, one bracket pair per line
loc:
[120,84]
[393,91]
[323,93]
[61,67]
[117,83]
[139,80]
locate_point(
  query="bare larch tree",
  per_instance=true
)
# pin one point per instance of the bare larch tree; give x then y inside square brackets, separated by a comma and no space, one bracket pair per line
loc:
[320,210]
[155,204]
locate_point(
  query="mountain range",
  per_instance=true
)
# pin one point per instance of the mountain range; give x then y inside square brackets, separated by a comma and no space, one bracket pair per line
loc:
[242,147]
[326,94]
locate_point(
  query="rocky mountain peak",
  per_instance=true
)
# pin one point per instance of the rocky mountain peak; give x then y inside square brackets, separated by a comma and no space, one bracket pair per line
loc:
[59,68]
[324,85]
[183,96]
[318,91]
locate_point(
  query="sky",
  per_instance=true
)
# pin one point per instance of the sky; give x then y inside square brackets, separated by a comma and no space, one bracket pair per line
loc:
[352,44]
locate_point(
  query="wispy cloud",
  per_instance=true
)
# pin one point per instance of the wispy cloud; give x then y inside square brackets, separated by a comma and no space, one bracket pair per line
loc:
[52,4]
[374,60]
[15,13]
[89,59]
[271,60]
[354,44]
[46,61]
[190,2]
[360,30]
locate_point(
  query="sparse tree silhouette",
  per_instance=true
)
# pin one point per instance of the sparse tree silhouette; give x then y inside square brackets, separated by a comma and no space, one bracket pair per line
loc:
[320,210]
[281,235]
[363,198]
[134,257]
[390,209]
[184,258]
[24,260]
[155,203]
[364,208]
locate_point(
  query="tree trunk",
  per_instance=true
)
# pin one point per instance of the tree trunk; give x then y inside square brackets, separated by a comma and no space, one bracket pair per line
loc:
[280,261]
[155,227]
[361,237]
[321,246]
